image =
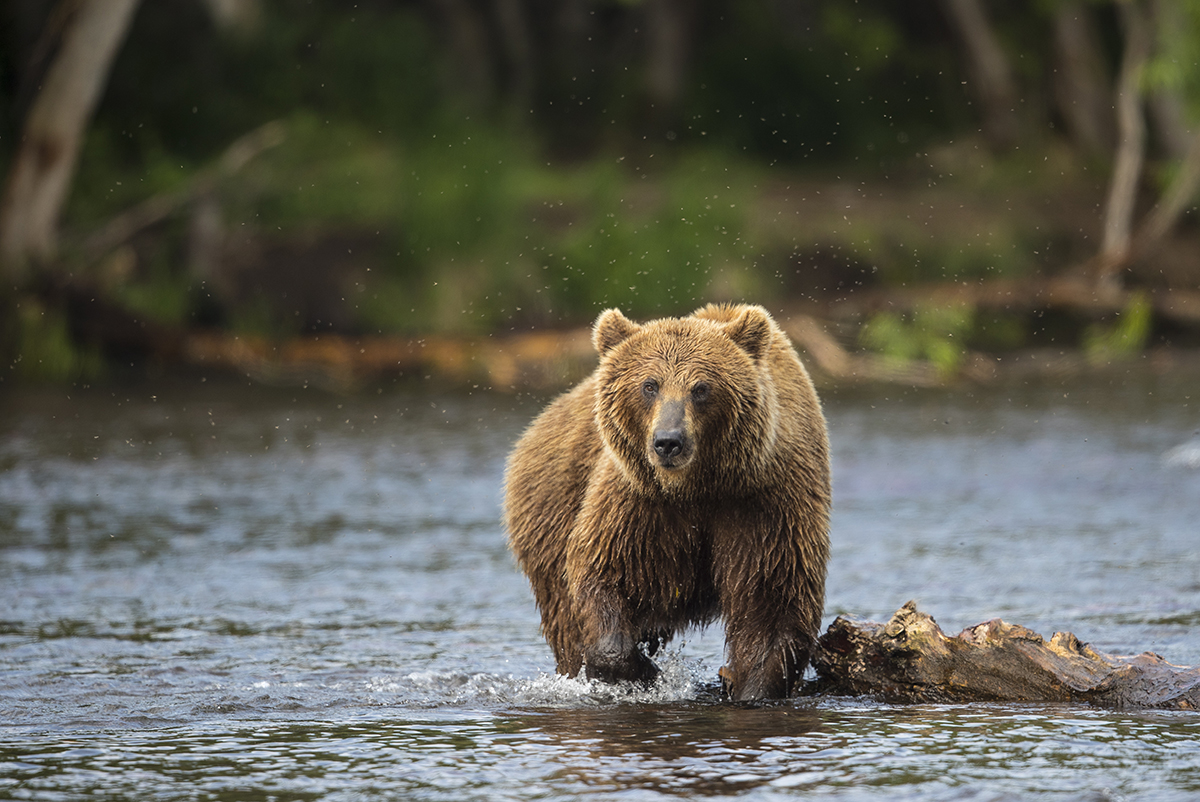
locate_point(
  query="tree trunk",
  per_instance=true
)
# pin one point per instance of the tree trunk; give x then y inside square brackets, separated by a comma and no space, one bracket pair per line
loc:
[44,164]
[516,37]
[471,54]
[1175,200]
[910,659]
[991,75]
[239,16]
[1081,87]
[1127,166]
[668,24]
[1166,104]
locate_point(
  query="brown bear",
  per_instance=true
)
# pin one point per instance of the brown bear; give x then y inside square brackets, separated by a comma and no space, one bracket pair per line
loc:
[686,479]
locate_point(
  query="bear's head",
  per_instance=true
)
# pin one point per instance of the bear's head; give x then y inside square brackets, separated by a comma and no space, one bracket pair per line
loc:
[676,398]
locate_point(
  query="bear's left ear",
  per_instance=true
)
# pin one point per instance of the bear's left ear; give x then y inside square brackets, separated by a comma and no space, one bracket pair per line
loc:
[751,331]
[611,329]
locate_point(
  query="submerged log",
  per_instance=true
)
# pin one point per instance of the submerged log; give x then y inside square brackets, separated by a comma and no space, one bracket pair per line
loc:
[910,659]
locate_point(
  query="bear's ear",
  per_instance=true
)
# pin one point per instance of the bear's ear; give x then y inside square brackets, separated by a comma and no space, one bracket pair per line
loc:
[751,331]
[611,329]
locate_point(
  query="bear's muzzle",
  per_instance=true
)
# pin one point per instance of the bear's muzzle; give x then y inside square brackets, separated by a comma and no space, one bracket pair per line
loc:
[671,443]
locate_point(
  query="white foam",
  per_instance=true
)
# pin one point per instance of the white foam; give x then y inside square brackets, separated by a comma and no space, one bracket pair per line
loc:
[1184,456]
[680,679]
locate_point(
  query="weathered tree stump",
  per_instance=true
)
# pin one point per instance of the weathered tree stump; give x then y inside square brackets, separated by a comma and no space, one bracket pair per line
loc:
[910,659]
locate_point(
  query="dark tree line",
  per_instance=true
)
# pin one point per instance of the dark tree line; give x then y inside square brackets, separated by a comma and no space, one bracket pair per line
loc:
[807,84]
[751,73]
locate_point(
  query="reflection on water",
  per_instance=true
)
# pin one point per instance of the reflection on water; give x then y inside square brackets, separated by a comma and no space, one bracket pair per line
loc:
[842,750]
[211,590]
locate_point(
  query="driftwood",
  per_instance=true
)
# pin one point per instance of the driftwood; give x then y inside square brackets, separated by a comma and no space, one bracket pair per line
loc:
[538,360]
[910,659]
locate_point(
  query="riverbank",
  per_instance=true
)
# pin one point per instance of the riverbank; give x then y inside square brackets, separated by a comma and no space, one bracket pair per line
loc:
[552,360]
[951,270]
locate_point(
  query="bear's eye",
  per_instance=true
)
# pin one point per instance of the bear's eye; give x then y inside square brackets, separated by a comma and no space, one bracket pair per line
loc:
[650,388]
[701,391]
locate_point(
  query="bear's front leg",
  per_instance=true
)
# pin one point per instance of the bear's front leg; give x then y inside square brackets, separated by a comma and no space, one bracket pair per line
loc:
[611,650]
[767,636]
[770,569]
[611,577]
[773,674]
[616,657]
[764,666]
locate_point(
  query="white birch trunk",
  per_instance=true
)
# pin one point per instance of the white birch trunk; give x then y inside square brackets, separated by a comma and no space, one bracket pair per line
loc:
[42,168]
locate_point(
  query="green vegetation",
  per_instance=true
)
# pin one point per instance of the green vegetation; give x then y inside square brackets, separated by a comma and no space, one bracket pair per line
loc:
[475,231]
[1125,337]
[47,350]
[444,170]
[932,333]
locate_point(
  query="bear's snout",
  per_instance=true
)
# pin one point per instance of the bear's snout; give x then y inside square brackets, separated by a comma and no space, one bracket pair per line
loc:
[668,444]
[670,441]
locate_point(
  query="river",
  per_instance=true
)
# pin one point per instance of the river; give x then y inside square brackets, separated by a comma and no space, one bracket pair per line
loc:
[213,590]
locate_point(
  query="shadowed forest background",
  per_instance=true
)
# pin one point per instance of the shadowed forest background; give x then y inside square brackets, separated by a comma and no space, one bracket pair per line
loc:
[917,190]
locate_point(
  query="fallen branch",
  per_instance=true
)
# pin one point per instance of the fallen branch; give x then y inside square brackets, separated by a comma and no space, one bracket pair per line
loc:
[910,659]
[544,359]
[157,208]
[829,357]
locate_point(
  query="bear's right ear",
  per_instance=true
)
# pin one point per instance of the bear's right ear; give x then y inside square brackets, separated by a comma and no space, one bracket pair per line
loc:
[611,329]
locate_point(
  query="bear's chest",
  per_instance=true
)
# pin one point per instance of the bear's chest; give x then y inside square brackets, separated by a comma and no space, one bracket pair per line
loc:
[668,566]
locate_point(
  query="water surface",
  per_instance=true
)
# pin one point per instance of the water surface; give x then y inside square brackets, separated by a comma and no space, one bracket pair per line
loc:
[211,590]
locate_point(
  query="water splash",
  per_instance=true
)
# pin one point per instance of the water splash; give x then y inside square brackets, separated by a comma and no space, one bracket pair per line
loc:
[680,680]
[1186,455]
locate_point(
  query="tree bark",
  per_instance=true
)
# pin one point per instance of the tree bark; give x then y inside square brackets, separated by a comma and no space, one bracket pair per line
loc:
[240,16]
[41,172]
[991,75]
[1127,166]
[910,659]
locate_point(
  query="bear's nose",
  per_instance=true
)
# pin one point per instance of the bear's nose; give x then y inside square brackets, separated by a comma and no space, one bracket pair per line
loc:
[668,444]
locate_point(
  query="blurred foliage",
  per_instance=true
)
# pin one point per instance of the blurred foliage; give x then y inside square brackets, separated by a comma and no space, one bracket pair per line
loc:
[45,350]
[441,173]
[999,332]
[937,334]
[1125,337]
[1175,66]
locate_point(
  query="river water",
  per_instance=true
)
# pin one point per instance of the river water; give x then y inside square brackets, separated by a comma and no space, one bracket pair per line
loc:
[211,590]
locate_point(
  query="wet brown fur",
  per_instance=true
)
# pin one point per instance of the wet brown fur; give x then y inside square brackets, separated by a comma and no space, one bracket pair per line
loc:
[625,547]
